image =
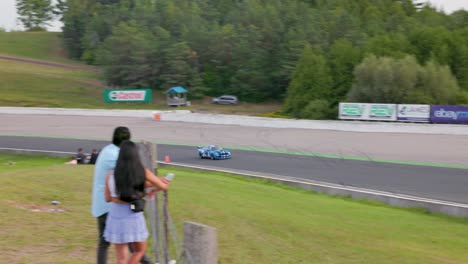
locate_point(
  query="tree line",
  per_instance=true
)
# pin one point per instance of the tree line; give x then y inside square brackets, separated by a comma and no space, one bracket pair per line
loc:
[308,54]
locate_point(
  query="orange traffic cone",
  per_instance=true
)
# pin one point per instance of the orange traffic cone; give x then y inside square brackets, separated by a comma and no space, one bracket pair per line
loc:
[167,159]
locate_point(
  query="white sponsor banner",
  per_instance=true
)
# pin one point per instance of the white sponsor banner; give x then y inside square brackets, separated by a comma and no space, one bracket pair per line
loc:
[383,112]
[352,111]
[361,111]
[414,113]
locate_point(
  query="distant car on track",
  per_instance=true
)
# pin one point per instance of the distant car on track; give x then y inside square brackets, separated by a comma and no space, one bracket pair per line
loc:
[213,152]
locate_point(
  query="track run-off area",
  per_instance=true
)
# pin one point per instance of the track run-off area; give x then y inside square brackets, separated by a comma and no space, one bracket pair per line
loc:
[423,164]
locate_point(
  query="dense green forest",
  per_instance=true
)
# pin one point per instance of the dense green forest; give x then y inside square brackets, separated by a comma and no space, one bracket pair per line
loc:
[309,54]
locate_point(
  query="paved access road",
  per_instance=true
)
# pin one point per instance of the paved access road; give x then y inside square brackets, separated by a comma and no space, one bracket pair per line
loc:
[430,182]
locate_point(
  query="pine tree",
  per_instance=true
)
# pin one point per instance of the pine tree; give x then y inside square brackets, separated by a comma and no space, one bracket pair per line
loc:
[34,14]
[310,86]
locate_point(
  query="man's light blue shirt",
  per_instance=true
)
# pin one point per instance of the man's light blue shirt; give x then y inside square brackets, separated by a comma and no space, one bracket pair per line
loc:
[105,162]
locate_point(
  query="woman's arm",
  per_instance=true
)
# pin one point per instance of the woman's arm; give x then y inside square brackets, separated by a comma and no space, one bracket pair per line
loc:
[107,190]
[154,181]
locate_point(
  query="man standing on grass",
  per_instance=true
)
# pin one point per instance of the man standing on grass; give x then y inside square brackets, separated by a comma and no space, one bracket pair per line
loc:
[106,162]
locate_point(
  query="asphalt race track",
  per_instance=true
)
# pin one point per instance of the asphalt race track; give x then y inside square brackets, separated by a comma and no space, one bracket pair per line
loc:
[447,184]
[408,147]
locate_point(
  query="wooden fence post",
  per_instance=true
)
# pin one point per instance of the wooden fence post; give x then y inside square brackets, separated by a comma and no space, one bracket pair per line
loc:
[148,156]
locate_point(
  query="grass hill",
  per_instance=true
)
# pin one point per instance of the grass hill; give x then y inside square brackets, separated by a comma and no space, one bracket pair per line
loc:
[34,45]
[26,84]
[36,72]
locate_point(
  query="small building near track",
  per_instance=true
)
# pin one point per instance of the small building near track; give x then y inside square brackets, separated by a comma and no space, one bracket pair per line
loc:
[177,96]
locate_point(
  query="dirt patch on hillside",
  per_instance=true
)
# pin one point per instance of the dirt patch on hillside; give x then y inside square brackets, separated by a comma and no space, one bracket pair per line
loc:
[50,64]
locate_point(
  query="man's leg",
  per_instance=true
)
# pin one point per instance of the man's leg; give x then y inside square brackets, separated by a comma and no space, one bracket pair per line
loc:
[145,259]
[103,245]
[137,256]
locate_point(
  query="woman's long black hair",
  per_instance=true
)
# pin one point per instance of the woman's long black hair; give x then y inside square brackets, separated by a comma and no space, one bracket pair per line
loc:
[129,173]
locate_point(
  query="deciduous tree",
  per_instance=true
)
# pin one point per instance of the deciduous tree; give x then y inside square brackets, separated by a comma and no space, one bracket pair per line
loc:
[390,80]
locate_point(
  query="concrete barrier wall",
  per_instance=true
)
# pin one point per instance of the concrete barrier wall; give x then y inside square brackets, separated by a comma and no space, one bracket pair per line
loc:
[218,119]
[200,244]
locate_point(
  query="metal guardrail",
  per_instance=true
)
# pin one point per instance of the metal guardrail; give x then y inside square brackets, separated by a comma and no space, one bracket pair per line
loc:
[394,199]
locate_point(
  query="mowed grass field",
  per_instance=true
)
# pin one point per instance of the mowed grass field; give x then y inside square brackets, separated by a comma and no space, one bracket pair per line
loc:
[34,45]
[256,222]
[24,84]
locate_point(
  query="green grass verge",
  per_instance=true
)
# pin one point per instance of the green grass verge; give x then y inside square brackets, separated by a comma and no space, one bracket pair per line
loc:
[27,85]
[32,85]
[256,222]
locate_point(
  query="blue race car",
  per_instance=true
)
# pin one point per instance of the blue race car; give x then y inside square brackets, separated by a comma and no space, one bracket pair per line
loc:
[213,152]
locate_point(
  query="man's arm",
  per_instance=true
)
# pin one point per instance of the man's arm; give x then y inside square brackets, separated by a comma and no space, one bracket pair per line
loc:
[107,190]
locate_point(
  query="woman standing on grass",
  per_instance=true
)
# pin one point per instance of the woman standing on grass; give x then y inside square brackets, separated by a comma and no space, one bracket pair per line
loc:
[123,185]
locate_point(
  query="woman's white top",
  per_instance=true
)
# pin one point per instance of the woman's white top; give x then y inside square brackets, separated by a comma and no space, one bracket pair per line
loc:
[112,188]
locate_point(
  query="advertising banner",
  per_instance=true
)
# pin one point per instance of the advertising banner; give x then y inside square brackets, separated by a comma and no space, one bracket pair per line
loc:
[352,110]
[359,111]
[452,114]
[414,113]
[128,95]
[386,112]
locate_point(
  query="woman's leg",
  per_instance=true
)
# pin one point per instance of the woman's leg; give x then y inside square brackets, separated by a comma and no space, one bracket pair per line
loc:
[122,253]
[140,248]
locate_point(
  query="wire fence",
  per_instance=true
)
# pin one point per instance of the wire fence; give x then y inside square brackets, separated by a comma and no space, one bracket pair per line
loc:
[168,238]
[162,226]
